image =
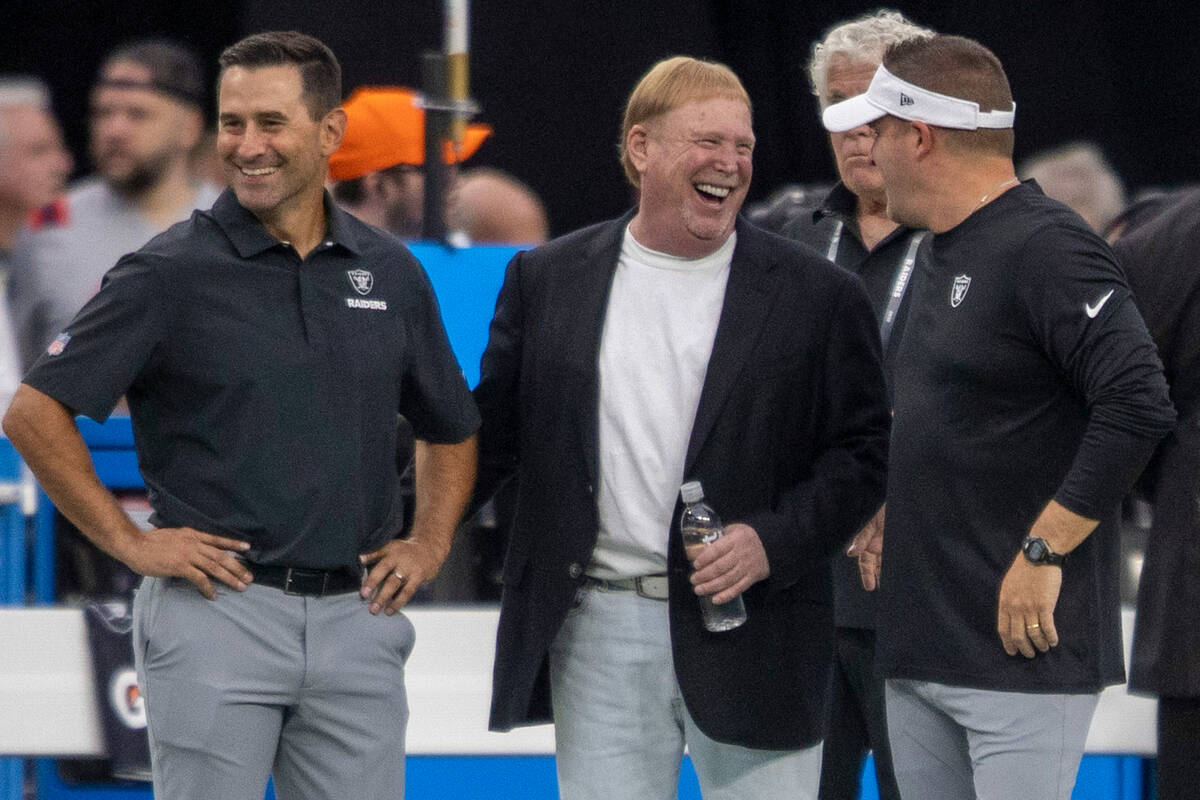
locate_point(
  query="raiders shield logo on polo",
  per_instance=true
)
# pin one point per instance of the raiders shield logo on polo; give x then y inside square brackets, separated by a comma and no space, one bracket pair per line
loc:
[361,280]
[959,290]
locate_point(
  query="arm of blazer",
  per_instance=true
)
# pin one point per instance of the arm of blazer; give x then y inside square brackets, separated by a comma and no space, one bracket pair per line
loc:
[846,481]
[497,392]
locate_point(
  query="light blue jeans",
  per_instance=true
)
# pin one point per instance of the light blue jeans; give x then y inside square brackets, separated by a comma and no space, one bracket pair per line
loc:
[955,743]
[621,725]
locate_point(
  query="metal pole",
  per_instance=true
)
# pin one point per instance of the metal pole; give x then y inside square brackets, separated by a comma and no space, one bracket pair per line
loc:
[457,35]
[437,124]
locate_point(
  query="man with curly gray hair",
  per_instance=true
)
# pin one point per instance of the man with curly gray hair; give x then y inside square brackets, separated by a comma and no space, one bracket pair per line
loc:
[851,228]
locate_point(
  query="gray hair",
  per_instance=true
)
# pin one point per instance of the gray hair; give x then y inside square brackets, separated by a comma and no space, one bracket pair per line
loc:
[862,41]
[17,91]
[1078,175]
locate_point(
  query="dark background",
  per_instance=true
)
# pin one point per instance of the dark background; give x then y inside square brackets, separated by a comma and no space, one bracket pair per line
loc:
[551,75]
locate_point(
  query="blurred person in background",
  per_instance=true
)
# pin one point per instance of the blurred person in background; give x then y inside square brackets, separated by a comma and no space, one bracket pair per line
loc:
[34,166]
[1081,178]
[378,168]
[147,116]
[490,206]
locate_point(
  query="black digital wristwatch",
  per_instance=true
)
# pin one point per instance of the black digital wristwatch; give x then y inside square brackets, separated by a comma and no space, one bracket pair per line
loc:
[1038,551]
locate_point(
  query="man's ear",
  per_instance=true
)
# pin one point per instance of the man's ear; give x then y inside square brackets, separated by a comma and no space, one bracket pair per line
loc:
[636,142]
[923,139]
[333,130]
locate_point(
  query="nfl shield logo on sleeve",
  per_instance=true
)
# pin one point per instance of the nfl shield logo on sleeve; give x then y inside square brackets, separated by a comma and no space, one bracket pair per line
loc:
[59,344]
[959,290]
[361,280]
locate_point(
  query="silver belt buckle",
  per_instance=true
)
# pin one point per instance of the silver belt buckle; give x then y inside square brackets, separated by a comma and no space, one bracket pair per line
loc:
[652,587]
[287,583]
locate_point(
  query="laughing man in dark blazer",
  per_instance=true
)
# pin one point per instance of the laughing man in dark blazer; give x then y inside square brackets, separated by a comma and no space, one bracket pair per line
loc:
[678,343]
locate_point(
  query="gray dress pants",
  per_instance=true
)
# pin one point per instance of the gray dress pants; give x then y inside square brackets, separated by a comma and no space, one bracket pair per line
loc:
[257,683]
[957,743]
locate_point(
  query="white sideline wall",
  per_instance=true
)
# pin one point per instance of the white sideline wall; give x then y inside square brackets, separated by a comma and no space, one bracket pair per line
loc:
[47,691]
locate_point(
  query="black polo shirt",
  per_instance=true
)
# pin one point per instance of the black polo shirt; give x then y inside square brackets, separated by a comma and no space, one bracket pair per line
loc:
[835,222]
[264,389]
[838,218]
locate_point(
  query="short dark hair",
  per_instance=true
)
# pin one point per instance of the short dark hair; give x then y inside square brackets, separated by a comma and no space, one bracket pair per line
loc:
[958,67]
[175,69]
[320,73]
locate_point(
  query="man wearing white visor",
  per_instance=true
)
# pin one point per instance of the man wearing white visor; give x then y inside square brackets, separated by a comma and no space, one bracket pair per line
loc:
[1028,396]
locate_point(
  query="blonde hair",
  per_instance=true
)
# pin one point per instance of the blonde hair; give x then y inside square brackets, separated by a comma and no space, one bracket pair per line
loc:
[672,83]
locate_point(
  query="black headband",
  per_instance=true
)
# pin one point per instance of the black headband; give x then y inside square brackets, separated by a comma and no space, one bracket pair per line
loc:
[182,93]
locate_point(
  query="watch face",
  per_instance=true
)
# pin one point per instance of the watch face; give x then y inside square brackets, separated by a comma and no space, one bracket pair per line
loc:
[1036,550]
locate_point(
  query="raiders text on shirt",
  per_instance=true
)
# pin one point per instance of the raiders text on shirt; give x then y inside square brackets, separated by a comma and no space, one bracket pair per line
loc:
[374,305]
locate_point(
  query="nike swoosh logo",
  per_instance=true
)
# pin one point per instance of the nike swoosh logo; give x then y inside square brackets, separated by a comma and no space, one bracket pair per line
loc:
[1091,310]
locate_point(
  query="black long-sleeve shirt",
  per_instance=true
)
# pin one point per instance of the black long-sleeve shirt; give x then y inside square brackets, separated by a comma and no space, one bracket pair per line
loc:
[1026,374]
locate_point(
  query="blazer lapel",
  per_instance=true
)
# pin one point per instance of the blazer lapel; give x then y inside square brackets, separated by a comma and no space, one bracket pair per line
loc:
[592,286]
[747,300]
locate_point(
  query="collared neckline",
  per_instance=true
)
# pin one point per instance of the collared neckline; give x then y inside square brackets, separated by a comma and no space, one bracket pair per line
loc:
[251,238]
[841,203]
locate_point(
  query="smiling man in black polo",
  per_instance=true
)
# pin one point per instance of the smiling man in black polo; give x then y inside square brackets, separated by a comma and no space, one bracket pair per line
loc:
[266,347]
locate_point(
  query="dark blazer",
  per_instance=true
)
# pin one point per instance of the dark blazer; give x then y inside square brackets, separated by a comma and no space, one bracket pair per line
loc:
[1160,259]
[790,437]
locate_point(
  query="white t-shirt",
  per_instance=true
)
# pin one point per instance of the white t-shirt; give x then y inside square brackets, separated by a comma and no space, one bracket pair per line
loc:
[658,335]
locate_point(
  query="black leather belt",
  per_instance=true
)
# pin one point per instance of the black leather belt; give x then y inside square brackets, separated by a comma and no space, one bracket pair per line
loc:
[306,582]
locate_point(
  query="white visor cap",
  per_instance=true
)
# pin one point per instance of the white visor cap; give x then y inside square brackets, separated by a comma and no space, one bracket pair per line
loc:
[888,94]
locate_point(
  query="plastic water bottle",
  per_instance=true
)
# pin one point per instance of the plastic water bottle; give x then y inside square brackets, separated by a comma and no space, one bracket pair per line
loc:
[700,526]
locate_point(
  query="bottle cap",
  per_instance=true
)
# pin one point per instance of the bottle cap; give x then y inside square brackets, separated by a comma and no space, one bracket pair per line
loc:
[692,492]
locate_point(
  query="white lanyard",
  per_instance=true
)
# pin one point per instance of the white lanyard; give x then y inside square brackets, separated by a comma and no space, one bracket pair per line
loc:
[834,241]
[899,283]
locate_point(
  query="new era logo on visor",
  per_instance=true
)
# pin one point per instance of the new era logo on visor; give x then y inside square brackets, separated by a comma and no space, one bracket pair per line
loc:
[905,100]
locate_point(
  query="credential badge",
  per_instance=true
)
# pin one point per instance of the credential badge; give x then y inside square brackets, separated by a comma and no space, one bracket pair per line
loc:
[959,290]
[361,280]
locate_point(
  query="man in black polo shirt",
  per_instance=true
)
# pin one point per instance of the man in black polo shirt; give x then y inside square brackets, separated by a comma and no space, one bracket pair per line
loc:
[266,347]
[852,229]
[1027,398]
